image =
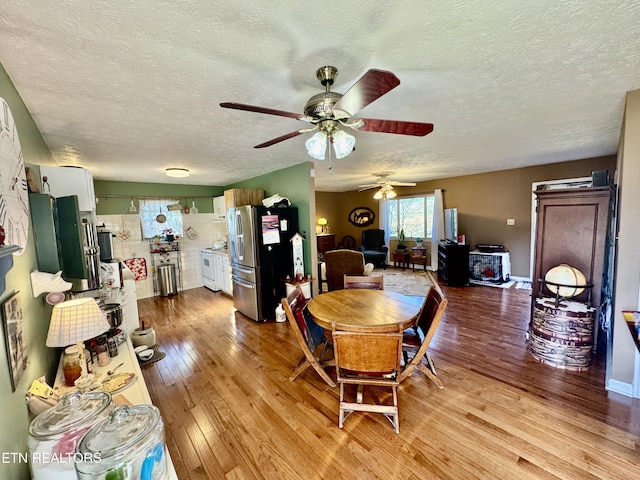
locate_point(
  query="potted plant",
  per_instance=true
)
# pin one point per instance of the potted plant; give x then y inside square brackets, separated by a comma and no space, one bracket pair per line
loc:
[401,244]
[419,241]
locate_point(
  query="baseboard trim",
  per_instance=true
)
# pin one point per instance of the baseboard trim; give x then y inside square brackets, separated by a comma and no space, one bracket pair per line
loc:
[622,388]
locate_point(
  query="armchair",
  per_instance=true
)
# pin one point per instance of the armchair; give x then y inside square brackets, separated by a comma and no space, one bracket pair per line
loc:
[373,247]
[340,263]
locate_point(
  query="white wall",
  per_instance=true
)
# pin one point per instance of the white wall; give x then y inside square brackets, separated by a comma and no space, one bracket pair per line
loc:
[208,232]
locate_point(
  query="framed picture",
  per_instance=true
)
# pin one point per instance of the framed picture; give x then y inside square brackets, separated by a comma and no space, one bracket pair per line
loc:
[16,349]
[361,217]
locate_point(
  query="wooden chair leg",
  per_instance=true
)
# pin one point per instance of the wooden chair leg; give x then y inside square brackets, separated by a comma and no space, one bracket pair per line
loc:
[304,364]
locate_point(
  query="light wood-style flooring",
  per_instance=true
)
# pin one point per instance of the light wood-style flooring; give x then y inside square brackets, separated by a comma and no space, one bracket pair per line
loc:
[232,413]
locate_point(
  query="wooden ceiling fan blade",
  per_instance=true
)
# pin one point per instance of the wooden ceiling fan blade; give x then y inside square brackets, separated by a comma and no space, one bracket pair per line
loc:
[371,86]
[268,111]
[280,139]
[395,126]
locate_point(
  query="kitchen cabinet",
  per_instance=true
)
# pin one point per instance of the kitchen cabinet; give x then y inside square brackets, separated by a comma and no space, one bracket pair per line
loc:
[65,181]
[223,272]
[236,197]
[219,208]
[63,241]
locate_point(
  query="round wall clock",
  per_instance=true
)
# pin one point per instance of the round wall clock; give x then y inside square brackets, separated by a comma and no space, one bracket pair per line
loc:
[14,199]
[362,216]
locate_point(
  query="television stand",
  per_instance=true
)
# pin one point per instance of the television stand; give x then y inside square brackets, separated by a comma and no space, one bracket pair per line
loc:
[453,264]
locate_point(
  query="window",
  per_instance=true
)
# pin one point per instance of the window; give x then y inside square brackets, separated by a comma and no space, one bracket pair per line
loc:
[150,209]
[413,214]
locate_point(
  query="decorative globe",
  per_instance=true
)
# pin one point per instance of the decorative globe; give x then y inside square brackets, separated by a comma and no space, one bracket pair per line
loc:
[565,275]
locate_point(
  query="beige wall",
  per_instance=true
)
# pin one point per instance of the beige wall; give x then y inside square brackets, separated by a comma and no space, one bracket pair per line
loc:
[484,202]
[621,370]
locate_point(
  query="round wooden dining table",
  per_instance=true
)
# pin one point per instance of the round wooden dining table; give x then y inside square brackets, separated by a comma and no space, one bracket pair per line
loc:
[365,308]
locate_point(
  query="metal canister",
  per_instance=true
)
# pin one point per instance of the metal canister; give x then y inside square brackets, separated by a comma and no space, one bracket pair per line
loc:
[112,344]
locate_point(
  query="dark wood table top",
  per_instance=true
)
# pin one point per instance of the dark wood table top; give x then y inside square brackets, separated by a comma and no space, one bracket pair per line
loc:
[365,308]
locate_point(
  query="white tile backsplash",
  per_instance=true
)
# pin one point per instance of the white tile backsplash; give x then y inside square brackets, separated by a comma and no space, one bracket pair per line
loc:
[208,231]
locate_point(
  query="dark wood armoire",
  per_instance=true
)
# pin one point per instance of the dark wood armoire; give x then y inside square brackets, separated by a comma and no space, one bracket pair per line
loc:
[571,228]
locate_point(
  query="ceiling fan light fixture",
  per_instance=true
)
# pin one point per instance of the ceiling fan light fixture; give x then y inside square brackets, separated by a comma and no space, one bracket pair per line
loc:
[386,191]
[343,143]
[177,172]
[317,145]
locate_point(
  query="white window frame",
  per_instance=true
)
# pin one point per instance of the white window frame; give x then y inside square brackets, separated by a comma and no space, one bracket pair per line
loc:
[426,196]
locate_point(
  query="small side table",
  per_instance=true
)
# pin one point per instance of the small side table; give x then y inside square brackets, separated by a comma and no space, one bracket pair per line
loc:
[401,257]
[419,257]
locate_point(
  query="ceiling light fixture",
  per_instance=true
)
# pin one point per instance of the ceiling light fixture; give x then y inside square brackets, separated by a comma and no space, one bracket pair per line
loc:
[386,191]
[343,143]
[177,172]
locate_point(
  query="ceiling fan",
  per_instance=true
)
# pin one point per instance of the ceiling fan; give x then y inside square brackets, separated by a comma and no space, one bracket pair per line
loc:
[328,111]
[385,186]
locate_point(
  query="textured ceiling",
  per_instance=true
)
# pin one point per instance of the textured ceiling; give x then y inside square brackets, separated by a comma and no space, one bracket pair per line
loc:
[129,88]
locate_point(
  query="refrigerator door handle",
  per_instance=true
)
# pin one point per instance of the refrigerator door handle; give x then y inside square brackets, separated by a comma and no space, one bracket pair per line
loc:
[242,270]
[243,284]
[239,244]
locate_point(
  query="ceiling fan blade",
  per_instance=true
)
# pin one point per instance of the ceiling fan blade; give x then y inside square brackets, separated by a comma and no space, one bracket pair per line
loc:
[280,139]
[402,184]
[367,187]
[269,111]
[395,126]
[371,86]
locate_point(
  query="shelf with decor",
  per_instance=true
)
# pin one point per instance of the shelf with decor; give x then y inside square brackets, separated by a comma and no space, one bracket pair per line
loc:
[166,267]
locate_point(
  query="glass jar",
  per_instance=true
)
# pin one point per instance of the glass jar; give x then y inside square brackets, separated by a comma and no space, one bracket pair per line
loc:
[103,351]
[71,365]
[54,433]
[130,444]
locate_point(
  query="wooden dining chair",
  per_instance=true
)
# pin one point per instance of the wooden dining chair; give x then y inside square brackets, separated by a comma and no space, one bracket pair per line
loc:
[367,358]
[360,281]
[310,335]
[416,340]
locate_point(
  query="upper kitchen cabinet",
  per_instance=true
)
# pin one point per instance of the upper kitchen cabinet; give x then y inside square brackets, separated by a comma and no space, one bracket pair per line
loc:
[237,197]
[219,208]
[65,181]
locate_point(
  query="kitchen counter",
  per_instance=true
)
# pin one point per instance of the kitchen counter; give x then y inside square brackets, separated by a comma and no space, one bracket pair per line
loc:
[136,393]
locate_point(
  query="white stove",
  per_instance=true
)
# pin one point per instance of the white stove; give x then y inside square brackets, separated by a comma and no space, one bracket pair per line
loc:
[208,269]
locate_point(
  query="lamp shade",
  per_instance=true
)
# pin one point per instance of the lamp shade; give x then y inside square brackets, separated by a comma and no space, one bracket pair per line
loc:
[75,321]
[317,145]
[343,143]
[322,221]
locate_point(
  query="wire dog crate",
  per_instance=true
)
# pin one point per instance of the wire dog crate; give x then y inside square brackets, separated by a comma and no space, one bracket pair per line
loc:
[489,267]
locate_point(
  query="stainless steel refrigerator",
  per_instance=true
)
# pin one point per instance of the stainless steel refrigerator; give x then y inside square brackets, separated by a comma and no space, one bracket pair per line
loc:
[261,257]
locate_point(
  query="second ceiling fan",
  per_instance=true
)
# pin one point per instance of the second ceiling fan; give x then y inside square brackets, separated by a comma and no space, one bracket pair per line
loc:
[326,112]
[385,186]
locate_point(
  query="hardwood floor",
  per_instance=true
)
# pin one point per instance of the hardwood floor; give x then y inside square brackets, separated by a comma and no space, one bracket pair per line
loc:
[232,413]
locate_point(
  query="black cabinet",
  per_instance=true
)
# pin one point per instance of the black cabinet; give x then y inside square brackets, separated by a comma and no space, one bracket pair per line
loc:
[453,264]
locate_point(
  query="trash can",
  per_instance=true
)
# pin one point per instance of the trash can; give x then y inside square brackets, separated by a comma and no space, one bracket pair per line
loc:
[167,284]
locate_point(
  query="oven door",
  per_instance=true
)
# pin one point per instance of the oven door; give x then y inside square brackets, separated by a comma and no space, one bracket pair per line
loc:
[208,269]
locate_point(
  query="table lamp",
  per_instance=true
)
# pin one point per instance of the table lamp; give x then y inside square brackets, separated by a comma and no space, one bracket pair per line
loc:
[73,322]
[322,222]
